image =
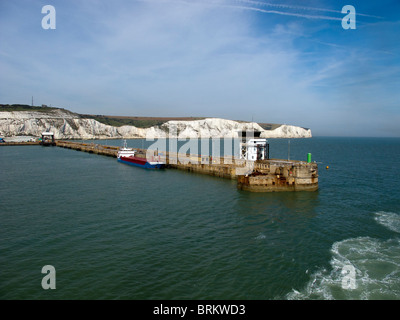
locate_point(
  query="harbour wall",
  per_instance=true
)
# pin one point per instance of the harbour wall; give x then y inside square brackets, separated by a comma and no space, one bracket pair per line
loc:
[23,143]
[260,176]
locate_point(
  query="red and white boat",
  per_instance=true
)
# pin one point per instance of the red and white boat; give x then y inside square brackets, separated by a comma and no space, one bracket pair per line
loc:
[128,156]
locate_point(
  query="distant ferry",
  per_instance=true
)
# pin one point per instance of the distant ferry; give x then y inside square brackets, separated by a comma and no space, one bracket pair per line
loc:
[128,156]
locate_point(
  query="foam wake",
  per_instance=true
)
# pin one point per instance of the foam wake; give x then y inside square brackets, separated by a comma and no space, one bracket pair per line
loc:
[361,268]
[389,220]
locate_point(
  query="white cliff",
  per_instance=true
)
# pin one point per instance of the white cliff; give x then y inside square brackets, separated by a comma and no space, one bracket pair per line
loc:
[68,125]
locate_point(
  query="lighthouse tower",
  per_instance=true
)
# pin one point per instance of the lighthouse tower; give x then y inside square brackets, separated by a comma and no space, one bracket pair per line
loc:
[252,147]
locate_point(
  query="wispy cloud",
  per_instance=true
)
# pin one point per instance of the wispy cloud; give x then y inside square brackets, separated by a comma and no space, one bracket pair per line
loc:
[284,13]
[295,7]
[286,10]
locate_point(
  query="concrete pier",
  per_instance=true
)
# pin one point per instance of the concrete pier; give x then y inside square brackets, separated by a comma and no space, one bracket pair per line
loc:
[255,176]
[23,143]
[110,151]
[280,175]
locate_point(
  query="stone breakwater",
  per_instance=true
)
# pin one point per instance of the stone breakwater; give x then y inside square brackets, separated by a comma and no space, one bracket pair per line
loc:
[273,175]
[68,125]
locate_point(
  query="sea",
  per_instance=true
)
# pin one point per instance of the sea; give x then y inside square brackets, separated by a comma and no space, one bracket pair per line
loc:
[96,229]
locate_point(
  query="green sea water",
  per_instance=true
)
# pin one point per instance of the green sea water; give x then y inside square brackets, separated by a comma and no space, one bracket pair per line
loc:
[113,231]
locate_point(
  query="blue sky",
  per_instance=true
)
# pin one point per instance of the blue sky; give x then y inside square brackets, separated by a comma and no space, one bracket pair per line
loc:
[276,61]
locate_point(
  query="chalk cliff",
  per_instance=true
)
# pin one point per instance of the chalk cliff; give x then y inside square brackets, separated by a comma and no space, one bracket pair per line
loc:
[69,125]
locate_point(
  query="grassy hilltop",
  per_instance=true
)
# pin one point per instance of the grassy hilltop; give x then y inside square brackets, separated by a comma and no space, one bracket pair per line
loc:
[25,107]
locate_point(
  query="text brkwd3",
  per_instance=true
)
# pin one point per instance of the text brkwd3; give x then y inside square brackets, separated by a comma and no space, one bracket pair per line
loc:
[200,309]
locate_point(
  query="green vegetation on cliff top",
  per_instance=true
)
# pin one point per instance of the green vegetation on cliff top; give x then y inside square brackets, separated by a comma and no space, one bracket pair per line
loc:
[25,107]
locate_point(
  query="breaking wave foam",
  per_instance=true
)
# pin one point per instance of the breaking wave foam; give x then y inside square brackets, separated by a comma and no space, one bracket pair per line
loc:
[375,266]
[390,220]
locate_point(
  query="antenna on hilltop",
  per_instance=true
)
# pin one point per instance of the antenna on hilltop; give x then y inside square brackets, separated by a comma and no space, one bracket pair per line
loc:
[32,101]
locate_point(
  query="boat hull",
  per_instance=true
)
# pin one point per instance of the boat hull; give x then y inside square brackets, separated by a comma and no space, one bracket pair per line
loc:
[141,163]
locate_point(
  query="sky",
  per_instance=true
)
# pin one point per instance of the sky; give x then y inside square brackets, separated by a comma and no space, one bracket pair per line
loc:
[274,61]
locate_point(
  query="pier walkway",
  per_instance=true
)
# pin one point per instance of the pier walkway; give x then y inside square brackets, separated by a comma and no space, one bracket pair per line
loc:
[256,176]
[24,143]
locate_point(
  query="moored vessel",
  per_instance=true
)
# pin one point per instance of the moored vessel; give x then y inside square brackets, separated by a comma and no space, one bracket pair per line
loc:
[129,156]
